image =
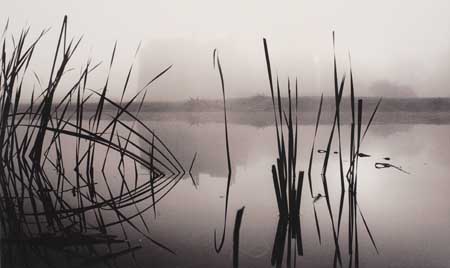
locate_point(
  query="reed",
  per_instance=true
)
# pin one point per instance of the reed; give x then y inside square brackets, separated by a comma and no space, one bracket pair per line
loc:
[40,192]
[287,181]
[216,61]
[236,232]
[288,186]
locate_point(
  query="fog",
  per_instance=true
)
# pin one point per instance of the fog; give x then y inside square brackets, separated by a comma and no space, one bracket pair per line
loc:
[402,44]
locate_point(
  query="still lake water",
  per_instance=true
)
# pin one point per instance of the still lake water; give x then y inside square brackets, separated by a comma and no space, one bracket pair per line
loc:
[408,214]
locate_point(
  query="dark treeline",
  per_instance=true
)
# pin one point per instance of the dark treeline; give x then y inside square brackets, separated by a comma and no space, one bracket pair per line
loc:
[306,104]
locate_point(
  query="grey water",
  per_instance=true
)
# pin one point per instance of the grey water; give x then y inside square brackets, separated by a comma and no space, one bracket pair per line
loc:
[408,212]
[406,209]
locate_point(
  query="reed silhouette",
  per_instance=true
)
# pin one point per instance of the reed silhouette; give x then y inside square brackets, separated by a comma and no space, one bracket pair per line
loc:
[47,201]
[216,60]
[58,200]
[288,195]
[237,228]
[287,185]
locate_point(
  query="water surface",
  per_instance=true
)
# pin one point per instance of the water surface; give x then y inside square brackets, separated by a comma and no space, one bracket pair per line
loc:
[408,214]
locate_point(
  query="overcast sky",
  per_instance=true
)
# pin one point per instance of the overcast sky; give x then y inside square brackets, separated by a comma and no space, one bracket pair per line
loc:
[404,46]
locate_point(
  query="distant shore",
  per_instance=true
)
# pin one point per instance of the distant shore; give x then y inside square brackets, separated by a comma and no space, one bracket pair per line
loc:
[263,119]
[258,110]
[264,103]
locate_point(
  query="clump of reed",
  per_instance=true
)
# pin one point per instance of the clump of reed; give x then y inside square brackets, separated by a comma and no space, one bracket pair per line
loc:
[351,177]
[287,182]
[40,192]
[288,186]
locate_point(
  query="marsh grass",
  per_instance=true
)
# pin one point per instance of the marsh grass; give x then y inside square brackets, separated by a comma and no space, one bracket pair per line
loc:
[236,234]
[216,61]
[288,186]
[49,202]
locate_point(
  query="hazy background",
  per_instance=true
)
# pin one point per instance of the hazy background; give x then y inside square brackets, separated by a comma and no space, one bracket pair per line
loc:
[398,47]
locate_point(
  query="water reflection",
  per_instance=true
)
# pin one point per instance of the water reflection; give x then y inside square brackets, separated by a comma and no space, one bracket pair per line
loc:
[248,143]
[290,231]
[383,194]
[397,207]
[73,252]
[207,142]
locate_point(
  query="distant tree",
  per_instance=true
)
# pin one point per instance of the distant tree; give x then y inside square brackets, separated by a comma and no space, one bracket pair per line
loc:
[386,88]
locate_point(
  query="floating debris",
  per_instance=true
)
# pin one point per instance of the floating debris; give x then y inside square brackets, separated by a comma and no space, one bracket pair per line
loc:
[387,165]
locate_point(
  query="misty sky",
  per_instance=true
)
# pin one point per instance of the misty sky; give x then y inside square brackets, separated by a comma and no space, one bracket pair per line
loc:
[397,47]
